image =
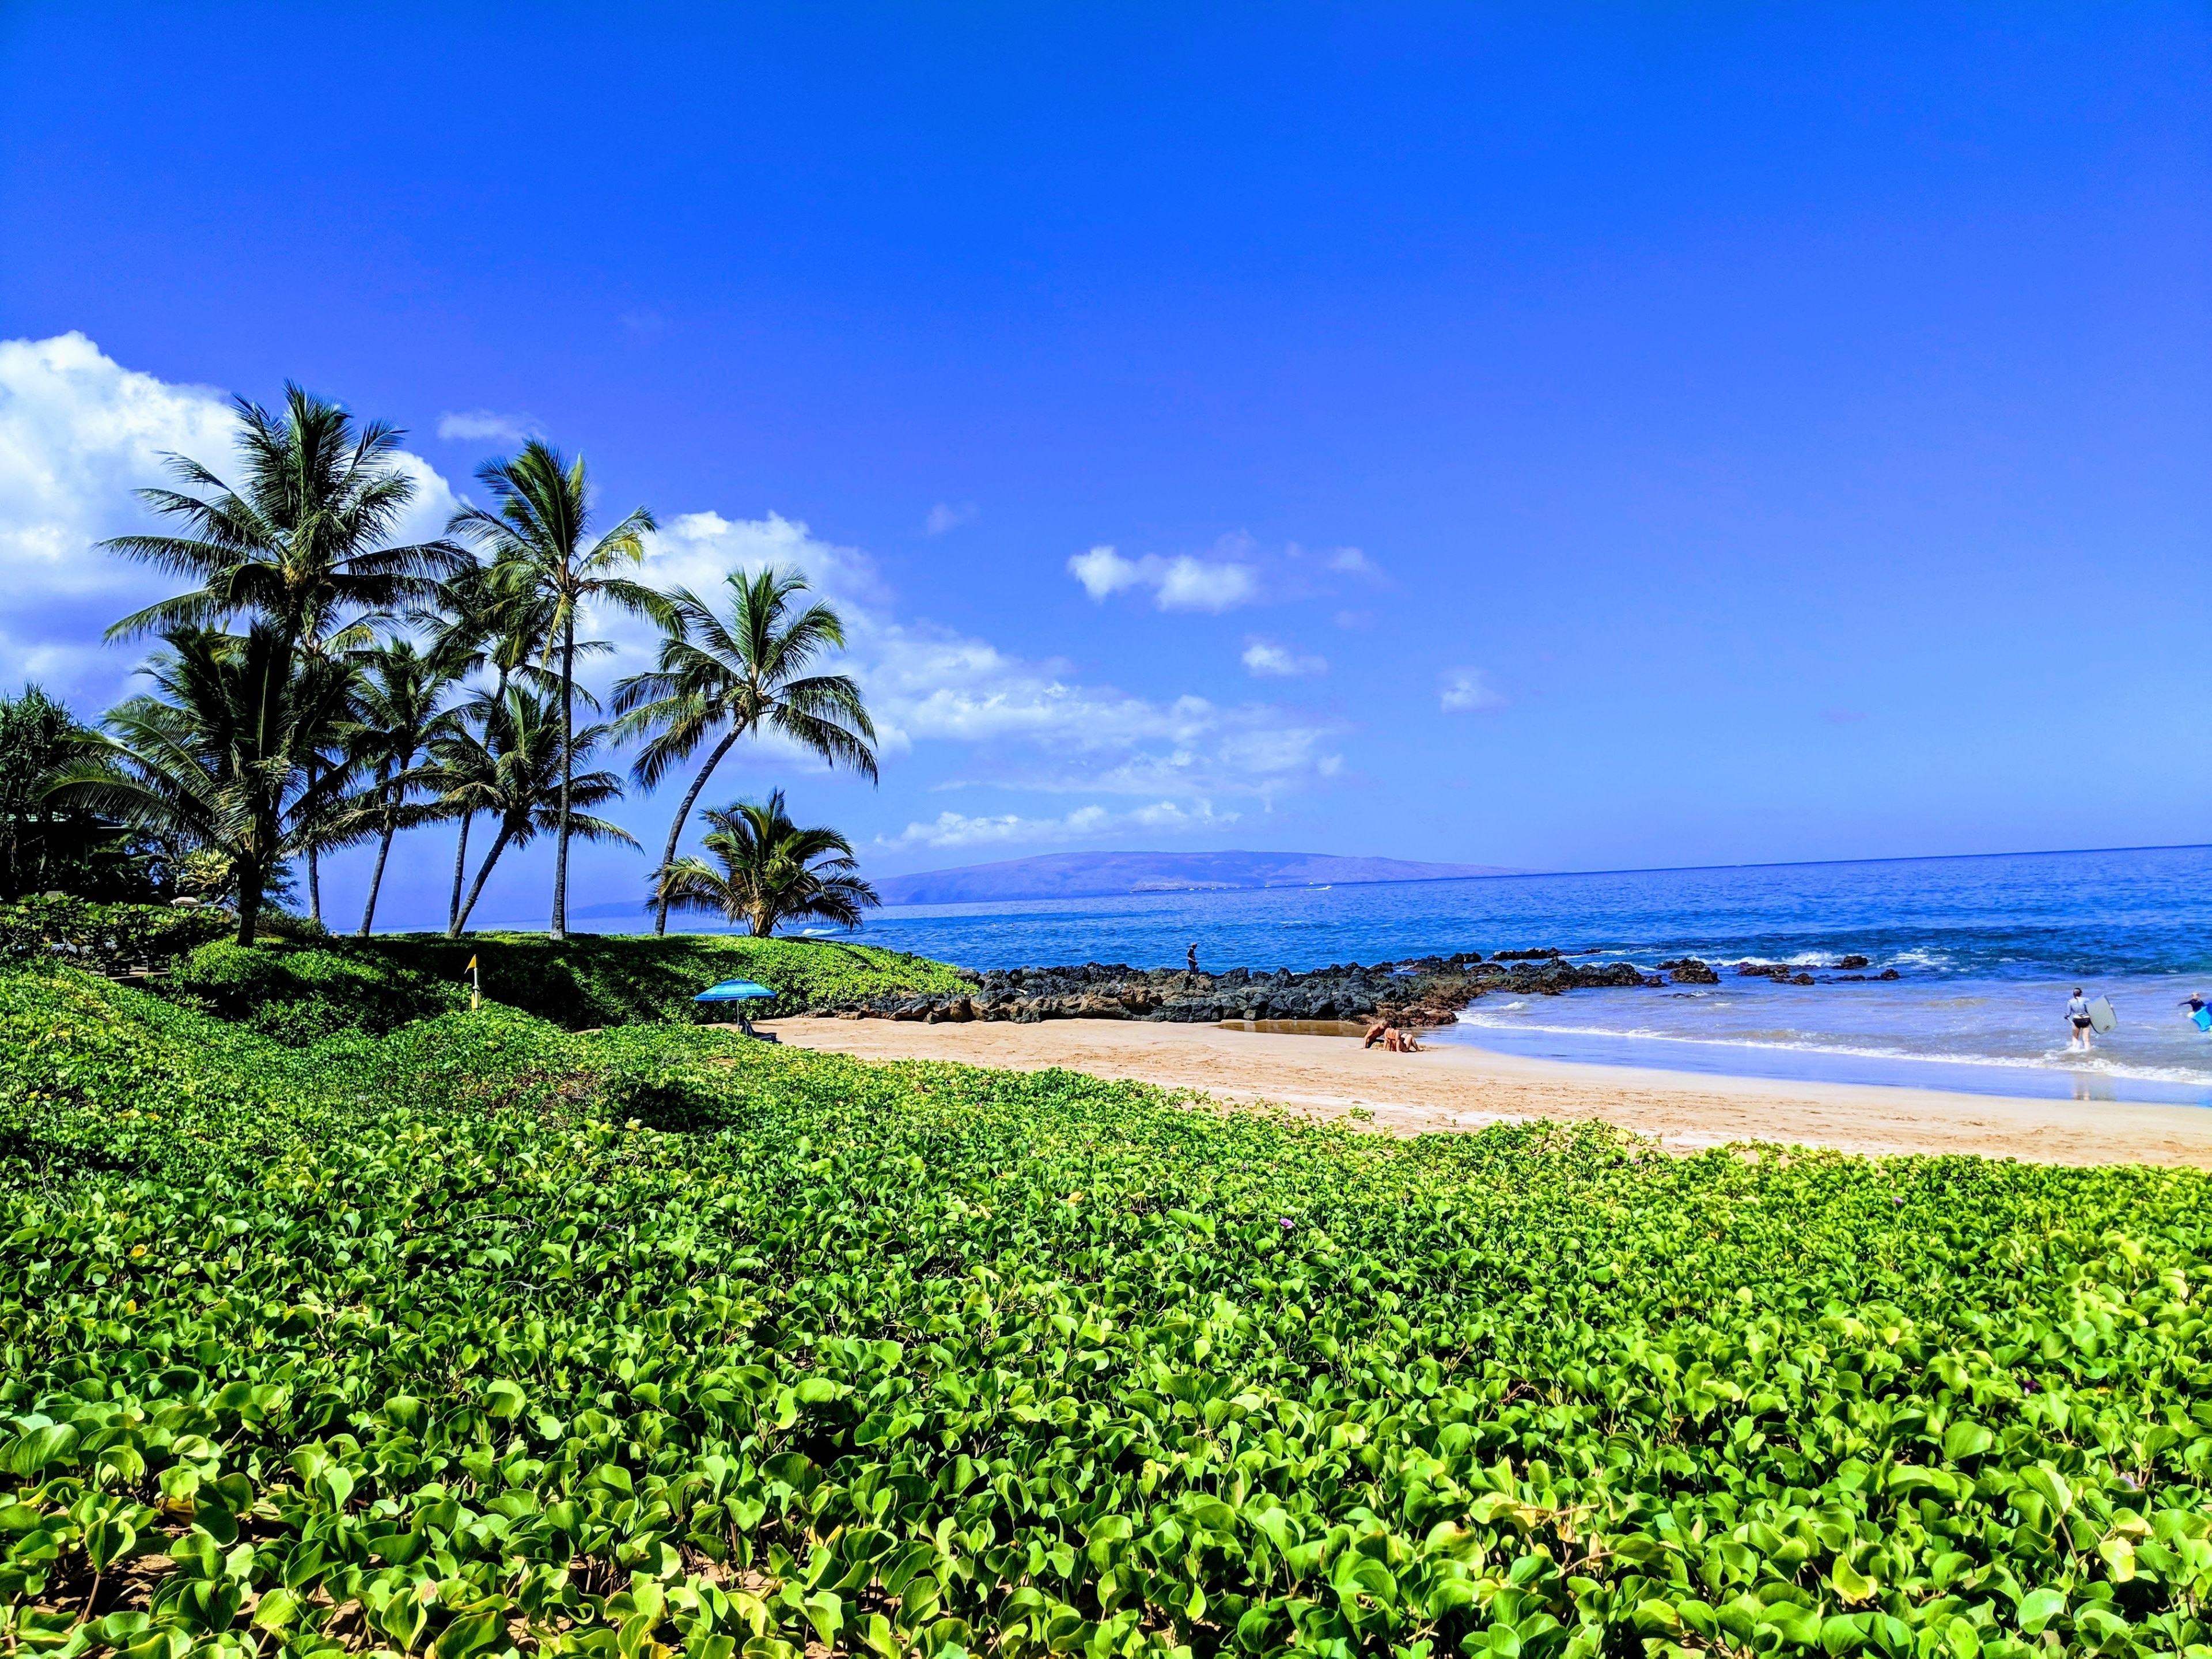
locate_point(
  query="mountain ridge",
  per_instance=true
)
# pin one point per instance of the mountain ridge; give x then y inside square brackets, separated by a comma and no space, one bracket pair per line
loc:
[1106,875]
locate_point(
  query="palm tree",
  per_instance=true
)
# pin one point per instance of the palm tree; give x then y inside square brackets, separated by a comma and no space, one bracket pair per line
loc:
[303,543]
[536,539]
[735,677]
[231,752]
[482,619]
[771,870]
[400,696]
[509,759]
[43,844]
[478,621]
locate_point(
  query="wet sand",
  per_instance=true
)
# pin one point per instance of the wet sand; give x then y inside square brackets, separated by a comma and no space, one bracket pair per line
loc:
[1455,1087]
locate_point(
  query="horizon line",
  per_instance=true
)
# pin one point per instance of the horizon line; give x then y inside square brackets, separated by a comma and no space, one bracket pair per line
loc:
[1526,875]
[1529,874]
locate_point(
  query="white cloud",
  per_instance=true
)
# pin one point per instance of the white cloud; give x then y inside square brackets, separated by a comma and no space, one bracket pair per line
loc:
[434,501]
[936,685]
[1264,659]
[1465,692]
[1102,572]
[1235,571]
[1084,823]
[1191,584]
[477,425]
[1182,583]
[78,434]
[945,516]
[1030,724]
[698,549]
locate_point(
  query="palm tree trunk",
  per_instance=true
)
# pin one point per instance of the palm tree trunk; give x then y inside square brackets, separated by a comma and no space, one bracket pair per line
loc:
[560,928]
[460,924]
[683,818]
[249,899]
[468,818]
[314,874]
[376,878]
[460,870]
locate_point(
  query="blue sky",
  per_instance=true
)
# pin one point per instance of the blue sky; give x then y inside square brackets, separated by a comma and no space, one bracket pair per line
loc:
[1564,438]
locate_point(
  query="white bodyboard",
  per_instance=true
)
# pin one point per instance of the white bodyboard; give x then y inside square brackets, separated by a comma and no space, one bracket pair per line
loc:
[2101,1015]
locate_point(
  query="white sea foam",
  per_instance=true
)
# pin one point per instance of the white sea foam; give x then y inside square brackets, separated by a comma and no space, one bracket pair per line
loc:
[2055,1060]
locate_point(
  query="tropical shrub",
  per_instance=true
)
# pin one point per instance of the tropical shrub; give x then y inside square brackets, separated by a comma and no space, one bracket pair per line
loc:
[484,1338]
[105,937]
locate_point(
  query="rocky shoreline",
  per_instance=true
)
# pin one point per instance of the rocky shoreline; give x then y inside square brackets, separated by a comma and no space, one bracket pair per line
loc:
[1423,991]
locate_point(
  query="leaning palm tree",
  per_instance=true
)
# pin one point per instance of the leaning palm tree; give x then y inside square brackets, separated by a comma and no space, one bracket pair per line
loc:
[302,541]
[401,695]
[537,541]
[511,761]
[231,753]
[772,871]
[737,675]
[462,777]
[480,621]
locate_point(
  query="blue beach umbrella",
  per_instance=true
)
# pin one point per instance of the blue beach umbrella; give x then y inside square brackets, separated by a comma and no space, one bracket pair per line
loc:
[733,990]
[740,991]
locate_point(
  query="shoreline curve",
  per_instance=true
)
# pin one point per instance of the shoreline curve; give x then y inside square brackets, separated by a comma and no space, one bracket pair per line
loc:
[1463,1088]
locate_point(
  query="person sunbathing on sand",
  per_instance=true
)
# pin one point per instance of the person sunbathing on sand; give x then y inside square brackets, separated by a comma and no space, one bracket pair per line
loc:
[1397,1041]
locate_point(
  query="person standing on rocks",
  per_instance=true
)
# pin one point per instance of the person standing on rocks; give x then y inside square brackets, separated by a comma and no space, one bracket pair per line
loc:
[1190,960]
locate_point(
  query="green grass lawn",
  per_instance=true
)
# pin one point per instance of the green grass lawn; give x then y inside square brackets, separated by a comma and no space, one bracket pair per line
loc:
[482,1335]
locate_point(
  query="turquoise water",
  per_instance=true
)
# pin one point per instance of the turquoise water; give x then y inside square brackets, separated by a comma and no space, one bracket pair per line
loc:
[1988,949]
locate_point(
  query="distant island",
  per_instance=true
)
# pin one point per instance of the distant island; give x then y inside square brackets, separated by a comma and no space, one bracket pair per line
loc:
[1103,875]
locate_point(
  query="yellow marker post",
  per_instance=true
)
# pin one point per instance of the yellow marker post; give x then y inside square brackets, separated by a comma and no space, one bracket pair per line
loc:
[476,984]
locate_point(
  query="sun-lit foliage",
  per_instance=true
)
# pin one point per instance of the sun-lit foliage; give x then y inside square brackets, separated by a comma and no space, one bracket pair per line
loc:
[486,1337]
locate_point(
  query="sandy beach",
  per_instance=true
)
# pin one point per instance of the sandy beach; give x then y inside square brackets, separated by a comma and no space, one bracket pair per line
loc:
[1448,1088]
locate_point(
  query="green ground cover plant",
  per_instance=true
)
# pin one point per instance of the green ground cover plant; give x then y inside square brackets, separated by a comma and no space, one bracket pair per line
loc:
[300,994]
[304,989]
[483,1337]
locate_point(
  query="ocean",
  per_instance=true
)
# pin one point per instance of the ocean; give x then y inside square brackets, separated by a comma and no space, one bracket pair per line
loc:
[1987,948]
